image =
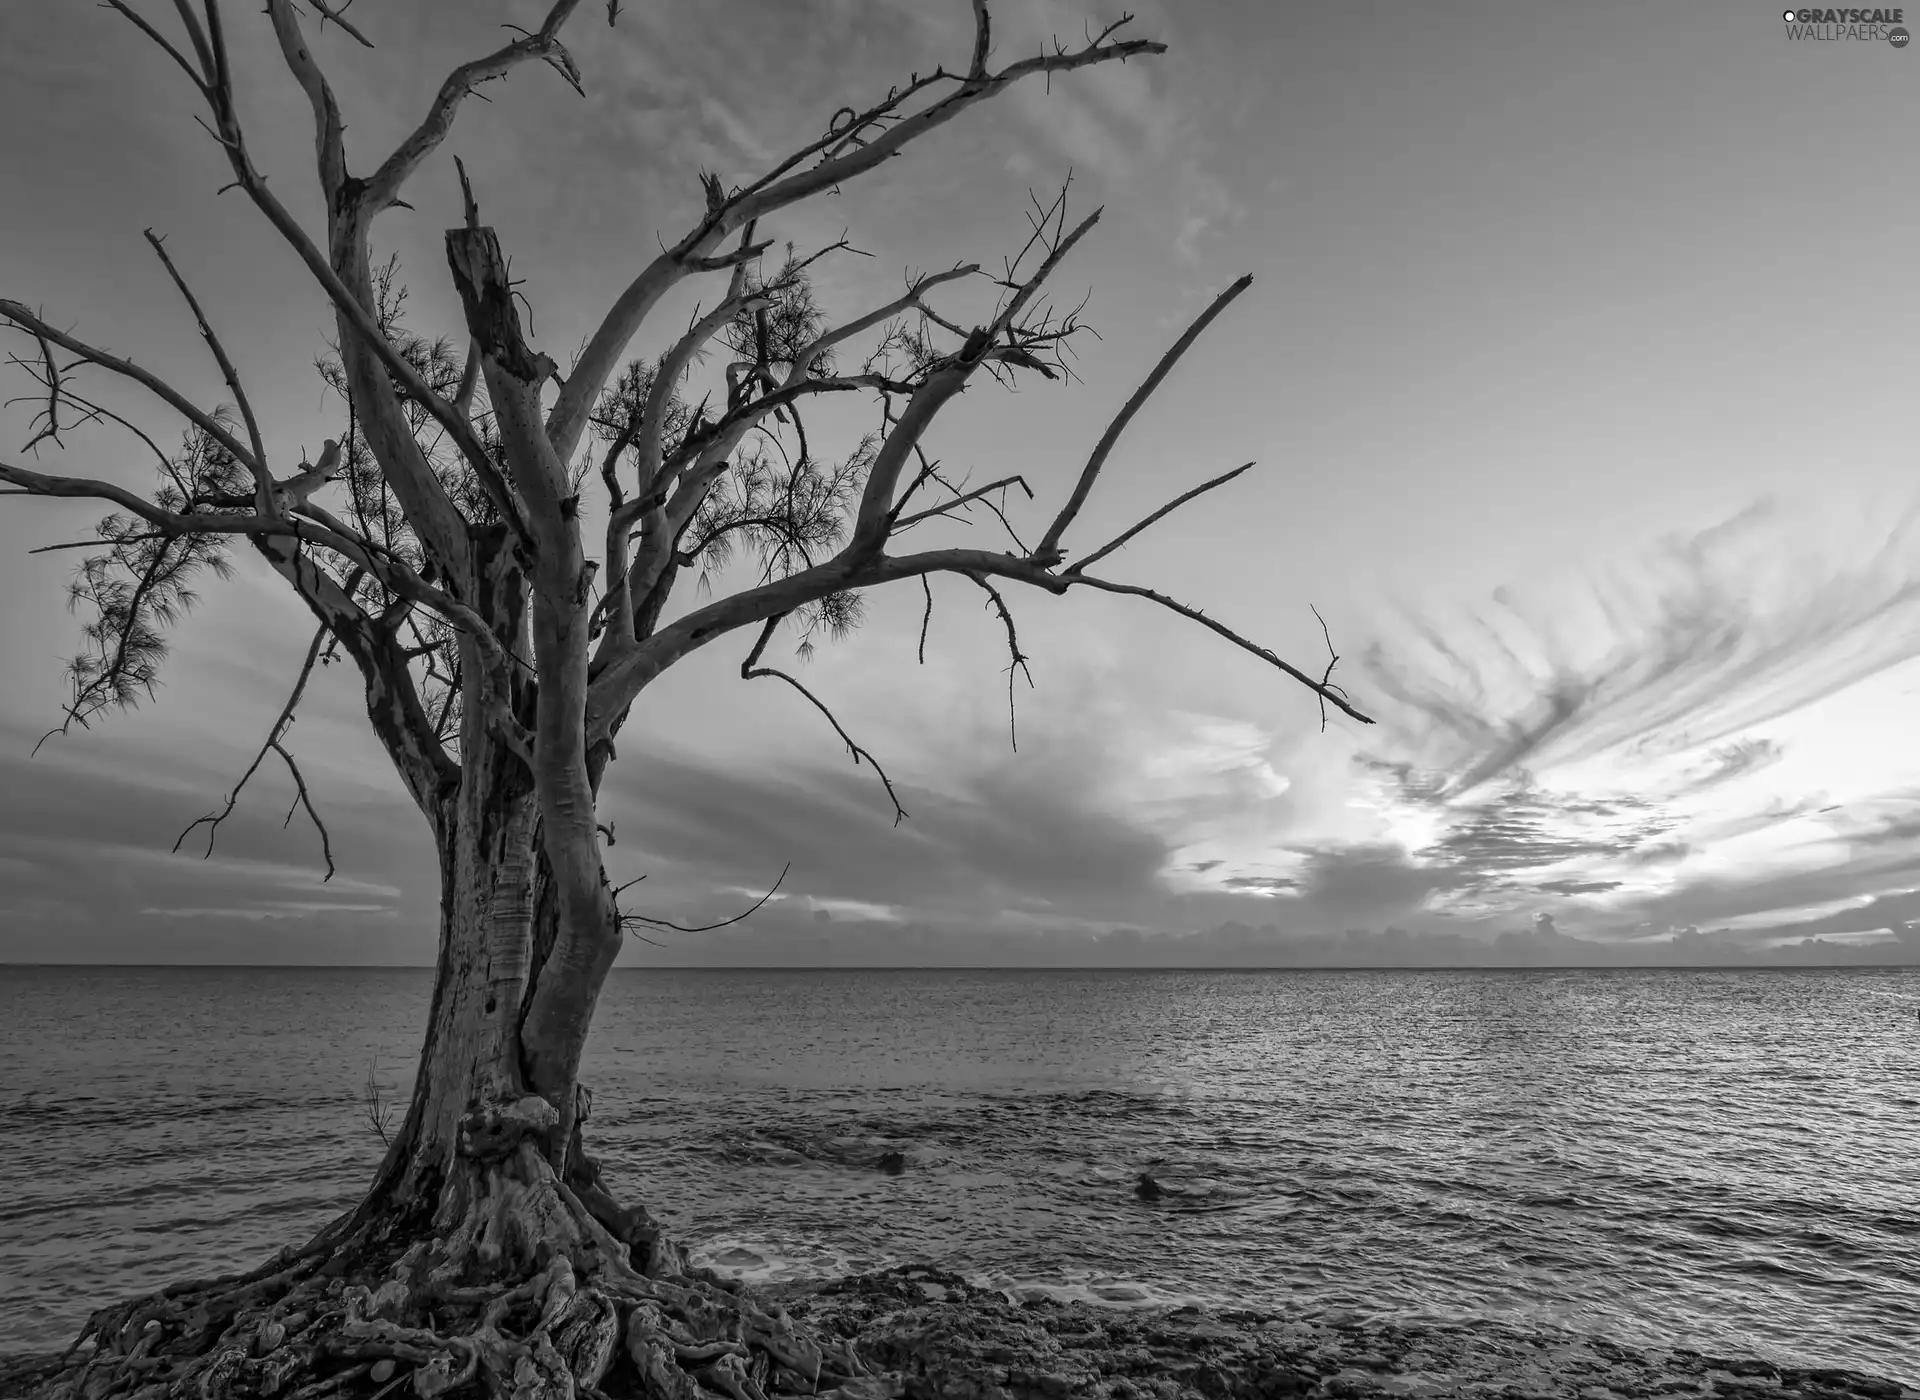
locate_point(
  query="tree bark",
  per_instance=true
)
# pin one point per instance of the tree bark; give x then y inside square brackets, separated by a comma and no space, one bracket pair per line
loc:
[586,935]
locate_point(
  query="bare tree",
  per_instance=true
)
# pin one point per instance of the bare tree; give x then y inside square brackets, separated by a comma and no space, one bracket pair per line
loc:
[438,544]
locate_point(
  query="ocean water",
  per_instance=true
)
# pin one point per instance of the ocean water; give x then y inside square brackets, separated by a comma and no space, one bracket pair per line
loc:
[1726,1160]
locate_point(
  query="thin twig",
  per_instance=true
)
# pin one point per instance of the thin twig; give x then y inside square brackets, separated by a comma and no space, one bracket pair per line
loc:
[1168,508]
[51,413]
[749,671]
[95,544]
[1019,661]
[262,478]
[273,744]
[330,15]
[18,314]
[374,1104]
[961,500]
[1333,659]
[926,617]
[705,928]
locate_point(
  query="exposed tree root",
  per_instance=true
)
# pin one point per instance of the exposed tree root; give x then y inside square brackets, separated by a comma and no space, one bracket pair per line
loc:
[534,1290]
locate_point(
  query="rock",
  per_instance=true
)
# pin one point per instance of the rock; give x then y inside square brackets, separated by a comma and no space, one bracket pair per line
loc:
[1350,1385]
[217,1382]
[382,1371]
[864,1388]
[948,1339]
[1278,1382]
[1854,1382]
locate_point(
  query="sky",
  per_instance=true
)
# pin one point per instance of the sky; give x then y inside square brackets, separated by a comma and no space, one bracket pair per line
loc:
[1572,367]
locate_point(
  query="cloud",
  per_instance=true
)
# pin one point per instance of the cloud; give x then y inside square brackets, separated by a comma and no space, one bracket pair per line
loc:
[1131,822]
[1529,830]
[1735,760]
[1129,126]
[1364,884]
[783,940]
[93,876]
[1709,636]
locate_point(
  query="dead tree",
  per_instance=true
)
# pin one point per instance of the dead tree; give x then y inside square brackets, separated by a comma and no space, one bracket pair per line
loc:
[439,545]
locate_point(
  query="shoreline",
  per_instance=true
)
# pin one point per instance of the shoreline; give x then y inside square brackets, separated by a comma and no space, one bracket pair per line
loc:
[951,1340]
[947,1339]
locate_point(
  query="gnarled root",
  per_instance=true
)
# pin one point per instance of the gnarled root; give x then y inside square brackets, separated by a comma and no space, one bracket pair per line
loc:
[524,1293]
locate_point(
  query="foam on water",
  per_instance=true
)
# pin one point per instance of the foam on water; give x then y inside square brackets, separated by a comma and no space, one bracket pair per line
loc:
[759,1260]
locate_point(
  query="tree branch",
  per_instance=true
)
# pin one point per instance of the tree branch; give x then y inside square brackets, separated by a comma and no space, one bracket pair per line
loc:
[383,186]
[1164,510]
[1333,659]
[1327,693]
[273,744]
[329,15]
[926,618]
[34,483]
[395,575]
[653,416]
[1019,661]
[749,671]
[329,131]
[392,700]
[432,513]
[165,392]
[627,919]
[615,687]
[871,525]
[52,379]
[262,477]
[1056,254]
[1049,546]
[960,500]
[778,189]
[919,288]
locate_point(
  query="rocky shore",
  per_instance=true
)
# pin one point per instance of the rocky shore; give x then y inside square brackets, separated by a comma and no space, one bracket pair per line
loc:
[931,1336]
[947,1340]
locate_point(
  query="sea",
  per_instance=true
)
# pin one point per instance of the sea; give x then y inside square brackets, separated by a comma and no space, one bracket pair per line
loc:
[1726,1160]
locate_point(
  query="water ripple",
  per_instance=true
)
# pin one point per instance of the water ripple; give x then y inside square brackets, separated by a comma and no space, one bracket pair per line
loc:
[1718,1160]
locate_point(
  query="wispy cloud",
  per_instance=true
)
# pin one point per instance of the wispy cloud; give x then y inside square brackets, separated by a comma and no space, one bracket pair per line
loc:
[1719,719]
[1705,639]
[1125,127]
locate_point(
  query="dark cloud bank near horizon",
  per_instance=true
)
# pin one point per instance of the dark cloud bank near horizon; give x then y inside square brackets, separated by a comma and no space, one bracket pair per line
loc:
[820,942]
[1008,870]
[826,942]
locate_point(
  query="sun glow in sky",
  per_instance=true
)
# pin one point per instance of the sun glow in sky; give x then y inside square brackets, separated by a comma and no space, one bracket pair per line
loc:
[1610,516]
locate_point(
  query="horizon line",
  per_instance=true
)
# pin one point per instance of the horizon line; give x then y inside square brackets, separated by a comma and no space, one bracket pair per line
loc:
[1011,967]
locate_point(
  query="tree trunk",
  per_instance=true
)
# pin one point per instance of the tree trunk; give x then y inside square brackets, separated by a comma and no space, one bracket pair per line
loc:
[470,1055]
[493,1173]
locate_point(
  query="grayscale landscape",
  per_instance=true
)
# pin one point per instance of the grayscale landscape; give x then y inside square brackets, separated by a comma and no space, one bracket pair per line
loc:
[958,700]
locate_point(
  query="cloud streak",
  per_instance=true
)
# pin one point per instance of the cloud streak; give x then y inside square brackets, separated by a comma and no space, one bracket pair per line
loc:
[1702,738]
[1709,637]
